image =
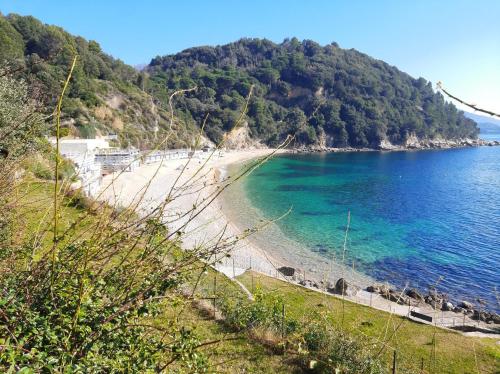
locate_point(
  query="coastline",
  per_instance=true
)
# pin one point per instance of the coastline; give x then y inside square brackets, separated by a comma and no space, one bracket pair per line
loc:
[255,252]
[412,144]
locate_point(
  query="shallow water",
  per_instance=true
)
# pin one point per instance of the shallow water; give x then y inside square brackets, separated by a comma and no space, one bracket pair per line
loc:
[418,218]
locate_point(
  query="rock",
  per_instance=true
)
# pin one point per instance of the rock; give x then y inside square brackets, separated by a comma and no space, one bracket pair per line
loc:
[375,289]
[457,309]
[384,290]
[447,306]
[344,288]
[330,287]
[436,296]
[287,271]
[399,297]
[434,302]
[341,286]
[395,296]
[414,294]
[309,283]
[466,305]
[495,317]
[481,316]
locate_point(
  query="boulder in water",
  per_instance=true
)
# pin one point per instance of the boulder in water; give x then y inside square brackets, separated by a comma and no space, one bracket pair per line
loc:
[466,305]
[374,288]
[414,294]
[447,306]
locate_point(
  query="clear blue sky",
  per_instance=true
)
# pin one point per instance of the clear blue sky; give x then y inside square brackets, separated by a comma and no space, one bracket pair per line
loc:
[455,41]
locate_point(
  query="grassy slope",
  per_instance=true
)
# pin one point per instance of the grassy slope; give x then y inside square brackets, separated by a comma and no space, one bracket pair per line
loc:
[455,353]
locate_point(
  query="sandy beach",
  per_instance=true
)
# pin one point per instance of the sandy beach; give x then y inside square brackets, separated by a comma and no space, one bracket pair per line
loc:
[191,183]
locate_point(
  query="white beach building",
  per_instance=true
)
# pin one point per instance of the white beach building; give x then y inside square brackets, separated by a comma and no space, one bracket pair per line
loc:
[82,153]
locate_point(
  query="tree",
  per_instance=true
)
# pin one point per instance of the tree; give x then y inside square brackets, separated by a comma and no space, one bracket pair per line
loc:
[20,125]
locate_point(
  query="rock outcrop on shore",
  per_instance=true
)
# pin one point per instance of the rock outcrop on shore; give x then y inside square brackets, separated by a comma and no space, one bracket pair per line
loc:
[412,143]
[436,300]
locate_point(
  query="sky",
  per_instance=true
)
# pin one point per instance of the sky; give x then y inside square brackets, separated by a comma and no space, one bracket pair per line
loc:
[453,41]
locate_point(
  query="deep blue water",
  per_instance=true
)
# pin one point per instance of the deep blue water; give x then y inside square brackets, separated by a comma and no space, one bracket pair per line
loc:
[421,217]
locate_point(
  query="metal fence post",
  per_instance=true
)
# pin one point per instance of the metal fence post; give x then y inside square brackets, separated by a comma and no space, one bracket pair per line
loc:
[394,363]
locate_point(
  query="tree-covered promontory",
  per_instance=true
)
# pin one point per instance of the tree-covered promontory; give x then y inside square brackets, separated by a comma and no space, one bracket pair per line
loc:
[322,94]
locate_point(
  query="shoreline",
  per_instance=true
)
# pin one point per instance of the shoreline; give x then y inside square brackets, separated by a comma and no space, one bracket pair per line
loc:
[414,145]
[248,253]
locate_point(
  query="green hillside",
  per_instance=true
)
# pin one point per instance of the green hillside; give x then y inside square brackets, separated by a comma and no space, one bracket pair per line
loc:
[324,95]
[105,96]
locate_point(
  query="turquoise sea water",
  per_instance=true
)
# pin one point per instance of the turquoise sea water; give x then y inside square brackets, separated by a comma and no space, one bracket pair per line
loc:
[420,218]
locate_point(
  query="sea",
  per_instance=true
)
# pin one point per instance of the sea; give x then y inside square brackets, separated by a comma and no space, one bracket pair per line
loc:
[418,219]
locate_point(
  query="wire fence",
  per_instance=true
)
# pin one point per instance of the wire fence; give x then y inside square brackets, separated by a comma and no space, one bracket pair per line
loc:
[396,303]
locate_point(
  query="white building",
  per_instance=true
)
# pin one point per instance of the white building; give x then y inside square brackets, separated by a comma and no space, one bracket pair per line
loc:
[78,146]
[82,153]
[151,157]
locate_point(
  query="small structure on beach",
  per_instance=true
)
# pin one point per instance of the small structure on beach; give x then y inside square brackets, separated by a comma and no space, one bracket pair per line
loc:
[114,159]
[151,157]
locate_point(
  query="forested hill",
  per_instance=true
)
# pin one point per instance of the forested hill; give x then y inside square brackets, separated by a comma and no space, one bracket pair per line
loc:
[324,95]
[106,96]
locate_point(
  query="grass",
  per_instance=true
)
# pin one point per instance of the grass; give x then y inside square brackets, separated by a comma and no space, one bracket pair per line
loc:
[236,352]
[455,353]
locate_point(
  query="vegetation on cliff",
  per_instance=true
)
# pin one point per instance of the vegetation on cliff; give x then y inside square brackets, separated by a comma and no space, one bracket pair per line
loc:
[106,95]
[323,95]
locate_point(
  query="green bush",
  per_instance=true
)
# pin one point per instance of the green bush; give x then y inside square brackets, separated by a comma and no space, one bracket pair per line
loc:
[41,170]
[265,311]
[332,348]
[315,339]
